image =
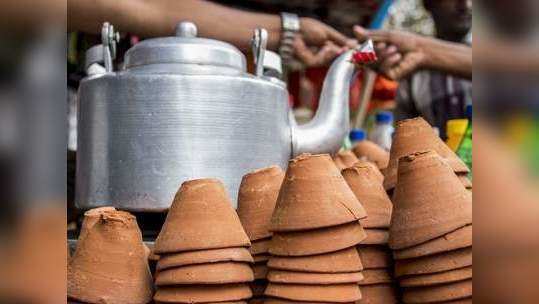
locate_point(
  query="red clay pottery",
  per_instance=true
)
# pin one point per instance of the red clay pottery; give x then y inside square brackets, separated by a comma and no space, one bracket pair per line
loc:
[372,152]
[366,185]
[378,294]
[438,293]
[461,301]
[463,177]
[317,241]
[374,169]
[376,276]
[238,254]
[110,263]
[344,159]
[376,237]
[290,277]
[282,301]
[375,257]
[341,293]
[201,217]
[261,258]
[346,260]
[91,217]
[314,195]
[437,278]
[256,200]
[416,135]
[460,238]
[429,201]
[214,273]
[260,247]
[260,271]
[434,263]
[188,294]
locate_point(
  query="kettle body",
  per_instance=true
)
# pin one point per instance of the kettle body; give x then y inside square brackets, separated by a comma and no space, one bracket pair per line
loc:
[182,108]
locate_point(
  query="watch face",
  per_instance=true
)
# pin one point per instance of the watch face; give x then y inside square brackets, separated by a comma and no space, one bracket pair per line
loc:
[290,22]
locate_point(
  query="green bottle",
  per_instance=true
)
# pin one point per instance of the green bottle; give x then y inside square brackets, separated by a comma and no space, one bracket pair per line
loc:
[464,150]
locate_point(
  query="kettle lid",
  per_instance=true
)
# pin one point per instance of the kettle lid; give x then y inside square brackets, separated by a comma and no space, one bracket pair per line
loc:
[185,47]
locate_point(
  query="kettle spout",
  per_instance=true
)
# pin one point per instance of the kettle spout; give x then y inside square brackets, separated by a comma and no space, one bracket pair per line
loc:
[326,131]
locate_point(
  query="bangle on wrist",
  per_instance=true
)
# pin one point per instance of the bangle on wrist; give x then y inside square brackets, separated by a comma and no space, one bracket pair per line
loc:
[290,26]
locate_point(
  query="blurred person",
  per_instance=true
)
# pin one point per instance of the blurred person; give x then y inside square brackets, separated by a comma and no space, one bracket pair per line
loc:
[436,95]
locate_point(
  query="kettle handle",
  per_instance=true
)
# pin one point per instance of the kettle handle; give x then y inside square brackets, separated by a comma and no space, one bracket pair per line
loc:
[258,45]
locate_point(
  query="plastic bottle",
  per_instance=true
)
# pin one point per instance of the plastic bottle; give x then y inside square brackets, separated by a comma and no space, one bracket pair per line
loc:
[357,135]
[382,132]
[464,150]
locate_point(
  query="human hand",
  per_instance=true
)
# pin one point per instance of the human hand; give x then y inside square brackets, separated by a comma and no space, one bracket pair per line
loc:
[319,58]
[399,53]
[316,33]
[317,44]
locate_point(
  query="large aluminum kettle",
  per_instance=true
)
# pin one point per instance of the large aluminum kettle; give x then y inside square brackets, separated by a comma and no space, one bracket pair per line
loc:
[185,107]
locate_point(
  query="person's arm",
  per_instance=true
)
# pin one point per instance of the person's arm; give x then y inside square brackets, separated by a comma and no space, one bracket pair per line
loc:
[150,18]
[453,58]
[401,53]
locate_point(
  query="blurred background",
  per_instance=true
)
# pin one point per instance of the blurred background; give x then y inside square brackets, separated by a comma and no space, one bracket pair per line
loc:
[42,63]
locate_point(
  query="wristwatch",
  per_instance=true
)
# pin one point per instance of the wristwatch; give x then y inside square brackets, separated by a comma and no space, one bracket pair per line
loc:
[289,28]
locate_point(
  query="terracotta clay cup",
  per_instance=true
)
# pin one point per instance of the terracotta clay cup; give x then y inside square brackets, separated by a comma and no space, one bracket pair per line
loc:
[375,257]
[434,263]
[376,276]
[214,273]
[376,237]
[201,217]
[314,195]
[110,263]
[238,254]
[91,217]
[366,185]
[460,238]
[378,294]
[317,241]
[415,135]
[373,168]
[465,180]
[256,200]
[437,278]
[260,271]
[339,293]
[429,201]
[344,159]
[187,294]
[260,247]
[346,260]
[372,152]
[282,301]
[261,258]
[438,293]
[291,277]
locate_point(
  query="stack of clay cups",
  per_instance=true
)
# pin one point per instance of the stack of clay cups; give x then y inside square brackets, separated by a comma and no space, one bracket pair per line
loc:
[431,231]
[256,201]
[369,151]
[366,182]
[110,263]
[203,250]
[416,135]
[344,159]
[315,229]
